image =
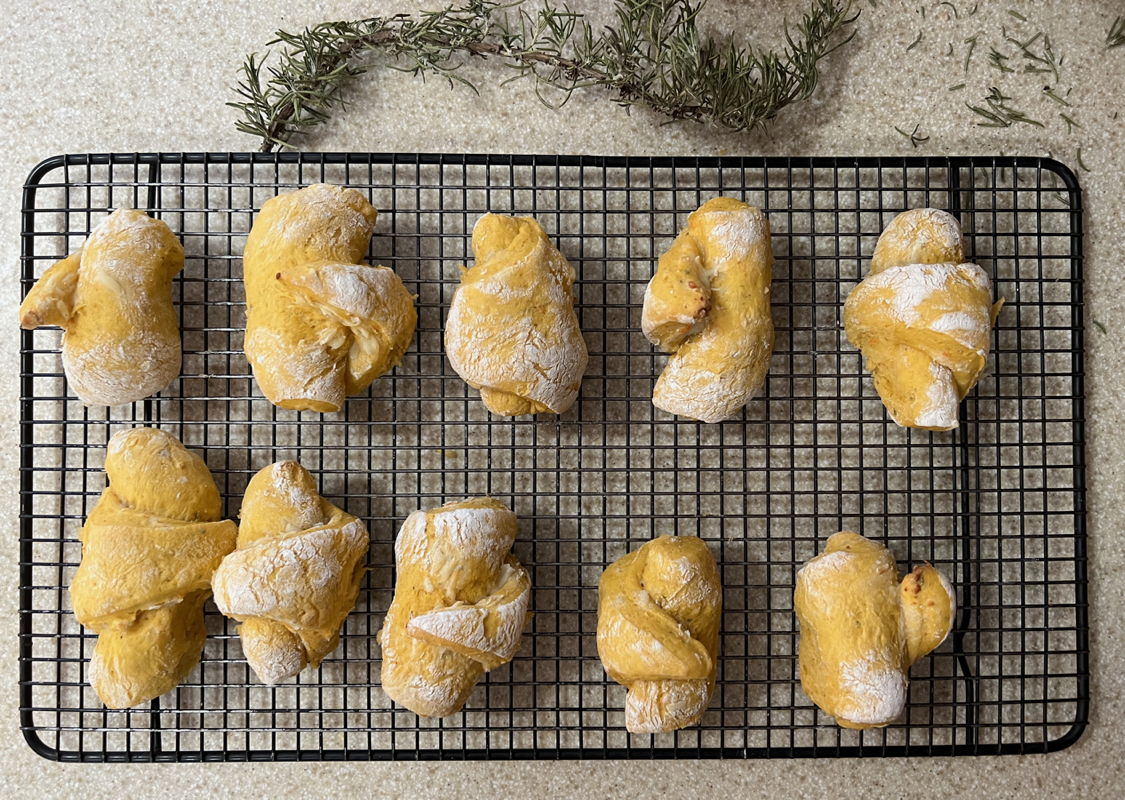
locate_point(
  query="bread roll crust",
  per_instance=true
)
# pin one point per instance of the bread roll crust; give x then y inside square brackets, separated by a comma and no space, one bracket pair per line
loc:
[659,612]
[709,306]
[295,575]
[113,300]
[149,548]
[861,629]
[320,325]
[922,319]
[512,331]
[460,604]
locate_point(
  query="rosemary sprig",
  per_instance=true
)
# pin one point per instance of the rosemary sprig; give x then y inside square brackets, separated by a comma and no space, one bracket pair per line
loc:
[652,55]
[1115,37]
[914,136]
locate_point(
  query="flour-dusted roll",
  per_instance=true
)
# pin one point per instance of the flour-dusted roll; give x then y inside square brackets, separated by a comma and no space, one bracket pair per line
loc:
[861,628]
[922,319]
[320,325]
[113,300]
[708,305]
[659,612]
[460,604]
[295,575]
[512,332]
[149,548]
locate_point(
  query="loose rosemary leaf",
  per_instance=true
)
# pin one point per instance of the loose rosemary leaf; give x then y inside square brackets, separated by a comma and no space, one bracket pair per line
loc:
[653,55]
[1115,37]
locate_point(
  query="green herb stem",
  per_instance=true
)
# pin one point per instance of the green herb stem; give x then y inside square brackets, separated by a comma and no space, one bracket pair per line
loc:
[653,54]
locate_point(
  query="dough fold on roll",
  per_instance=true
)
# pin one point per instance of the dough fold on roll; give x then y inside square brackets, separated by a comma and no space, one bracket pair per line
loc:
[320,325]
[512,331]
[862,629]
[149,548]
[460,604]
[708,305]
[113,300]
[295,575]
[659,612]
[922,319]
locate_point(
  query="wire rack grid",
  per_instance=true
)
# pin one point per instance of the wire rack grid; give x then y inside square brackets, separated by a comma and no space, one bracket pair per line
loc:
[997,505]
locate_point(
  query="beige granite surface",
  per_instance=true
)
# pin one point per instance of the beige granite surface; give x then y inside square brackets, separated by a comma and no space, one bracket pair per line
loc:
[153,76]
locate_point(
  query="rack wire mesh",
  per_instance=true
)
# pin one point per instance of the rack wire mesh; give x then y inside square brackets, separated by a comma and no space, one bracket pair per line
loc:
[997,505]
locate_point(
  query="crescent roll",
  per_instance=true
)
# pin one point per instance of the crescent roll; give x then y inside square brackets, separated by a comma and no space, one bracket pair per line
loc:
[708,305]
[460,604]
[320,325]
[659,612]
[113,300]
[922,318]
[149,548]
[861,628]
[512,332]
[295,575]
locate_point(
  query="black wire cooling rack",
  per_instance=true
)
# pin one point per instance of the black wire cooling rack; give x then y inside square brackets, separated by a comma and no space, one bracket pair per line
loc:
[997,505]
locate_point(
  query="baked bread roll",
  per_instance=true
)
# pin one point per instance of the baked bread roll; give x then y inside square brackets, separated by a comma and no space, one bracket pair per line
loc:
[659,611]
[149,547]
[709,306]
[295,575]
[320,325]
[113,300]
[460,604]
[512,332]
[861,629]
[921,319]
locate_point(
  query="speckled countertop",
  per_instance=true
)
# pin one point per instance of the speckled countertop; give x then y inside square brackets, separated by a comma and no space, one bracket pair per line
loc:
[153,76]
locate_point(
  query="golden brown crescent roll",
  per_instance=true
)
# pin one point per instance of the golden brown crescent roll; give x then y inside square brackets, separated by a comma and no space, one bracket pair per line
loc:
[921,319]
[709,306]
[460,604]
[861,629]
[319,324]
[295,576]
[512,332]
[113,300]
[149,547]
[659,612]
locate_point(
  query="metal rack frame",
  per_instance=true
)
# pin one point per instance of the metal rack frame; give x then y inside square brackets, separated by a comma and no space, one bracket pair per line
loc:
[999,505]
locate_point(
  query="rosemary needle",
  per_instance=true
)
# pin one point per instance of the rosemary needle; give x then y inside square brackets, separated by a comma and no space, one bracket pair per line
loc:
[997,59]
[972,41]
[1099,326]
[947,3]
[1017,15]
[1081,163]
[914,137]
[956,87]
[1047,90]
[914,44]
[999,112]
[1070,123]
[1116,35]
